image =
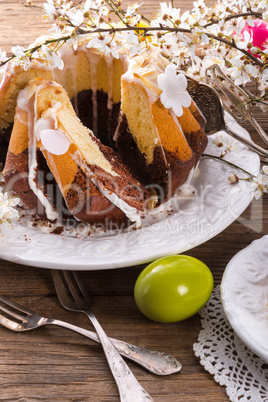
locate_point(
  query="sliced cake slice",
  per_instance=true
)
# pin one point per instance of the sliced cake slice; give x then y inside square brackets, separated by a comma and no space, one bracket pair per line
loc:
[160,148]
[95,185]
[37,188]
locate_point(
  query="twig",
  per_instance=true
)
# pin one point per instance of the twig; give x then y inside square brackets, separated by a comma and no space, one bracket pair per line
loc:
[228,163]
[230,17]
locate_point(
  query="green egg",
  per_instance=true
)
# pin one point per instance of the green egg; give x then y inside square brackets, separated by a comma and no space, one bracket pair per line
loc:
[173,288]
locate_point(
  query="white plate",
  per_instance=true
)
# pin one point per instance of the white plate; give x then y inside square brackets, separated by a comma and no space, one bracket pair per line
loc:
[244,292]
[216,205]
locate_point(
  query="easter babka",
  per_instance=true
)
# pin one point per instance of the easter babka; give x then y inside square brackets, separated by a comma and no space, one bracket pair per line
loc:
[120,140]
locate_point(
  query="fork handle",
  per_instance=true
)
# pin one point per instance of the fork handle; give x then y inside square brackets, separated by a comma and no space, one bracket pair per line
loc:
[156,362]
[129,388]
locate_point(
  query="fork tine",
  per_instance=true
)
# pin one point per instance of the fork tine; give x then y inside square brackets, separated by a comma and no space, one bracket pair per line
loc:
[12,314]
[72,284]
[81,285]
[60,287]
[17,308]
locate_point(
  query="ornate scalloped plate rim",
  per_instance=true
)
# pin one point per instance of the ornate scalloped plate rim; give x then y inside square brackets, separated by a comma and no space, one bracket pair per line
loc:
[28,246]
[232,306]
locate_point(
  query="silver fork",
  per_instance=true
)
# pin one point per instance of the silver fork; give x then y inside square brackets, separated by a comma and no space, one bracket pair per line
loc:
[19,319]
[156,362]
[75,297]
[26,319]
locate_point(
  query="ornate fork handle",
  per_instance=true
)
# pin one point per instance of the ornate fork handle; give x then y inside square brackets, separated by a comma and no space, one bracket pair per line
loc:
[129,388]
[156,362]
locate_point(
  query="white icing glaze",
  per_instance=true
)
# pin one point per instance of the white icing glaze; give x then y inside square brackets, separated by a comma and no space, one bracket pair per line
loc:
[110,71]
[131,212]
[4,76]
[28,105]
[22,101]
[42,124]
[94,60]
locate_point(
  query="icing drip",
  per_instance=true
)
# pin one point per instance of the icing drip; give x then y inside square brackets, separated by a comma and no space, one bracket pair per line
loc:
[94,60]
[29,107]
[130,212]
[110,63]
[4,76]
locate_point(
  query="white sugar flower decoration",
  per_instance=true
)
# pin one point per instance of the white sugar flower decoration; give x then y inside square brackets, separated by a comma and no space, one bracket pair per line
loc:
[174,95]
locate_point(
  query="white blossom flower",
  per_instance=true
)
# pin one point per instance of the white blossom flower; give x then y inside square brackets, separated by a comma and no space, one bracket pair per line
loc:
[132,9]
[174,95]
[105,45]
[18,51]
[265,170]
[50,10]
[265,15]
[7,204]
[56,60]
[130,42]
[87,5]
[243,42]
[262,182]
[77,18]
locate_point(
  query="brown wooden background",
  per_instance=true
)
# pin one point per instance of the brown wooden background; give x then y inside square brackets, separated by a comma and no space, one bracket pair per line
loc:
[54,364]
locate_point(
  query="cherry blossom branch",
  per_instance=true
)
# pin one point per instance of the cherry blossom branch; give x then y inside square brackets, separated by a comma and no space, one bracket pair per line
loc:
[175,29]
[231,17]
[233,45]
[139,29]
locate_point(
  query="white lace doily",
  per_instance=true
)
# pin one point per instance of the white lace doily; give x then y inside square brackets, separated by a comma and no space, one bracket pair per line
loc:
[227,358]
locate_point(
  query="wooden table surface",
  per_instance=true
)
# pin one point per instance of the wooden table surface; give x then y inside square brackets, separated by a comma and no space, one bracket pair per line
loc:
[54,364]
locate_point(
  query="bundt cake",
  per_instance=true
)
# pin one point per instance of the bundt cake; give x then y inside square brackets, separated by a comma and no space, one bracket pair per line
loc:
[139,144]
[96,187]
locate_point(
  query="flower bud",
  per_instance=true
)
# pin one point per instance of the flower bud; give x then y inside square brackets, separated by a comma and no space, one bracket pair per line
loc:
[233,178]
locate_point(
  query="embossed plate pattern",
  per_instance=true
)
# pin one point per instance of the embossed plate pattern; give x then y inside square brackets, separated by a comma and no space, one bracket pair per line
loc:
[244,292]
[216,205]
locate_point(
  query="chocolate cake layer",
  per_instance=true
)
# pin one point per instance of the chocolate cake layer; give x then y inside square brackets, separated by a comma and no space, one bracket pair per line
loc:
[165,178]
[198,142]
[5,134]
[87,203]
[16,174]
[107,119]
[123,184]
